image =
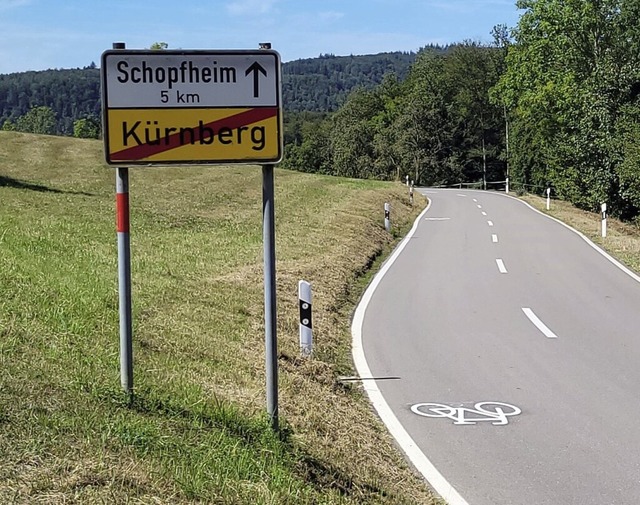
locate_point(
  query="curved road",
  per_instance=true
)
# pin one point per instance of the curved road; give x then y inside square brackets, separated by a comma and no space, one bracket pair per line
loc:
[490,301]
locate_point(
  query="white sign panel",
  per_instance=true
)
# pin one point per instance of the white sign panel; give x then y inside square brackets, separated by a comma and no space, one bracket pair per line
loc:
[184,79]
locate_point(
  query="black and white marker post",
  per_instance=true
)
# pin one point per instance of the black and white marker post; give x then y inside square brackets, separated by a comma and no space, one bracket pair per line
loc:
[387,217]
[306,323]
[604,220]
[124,273]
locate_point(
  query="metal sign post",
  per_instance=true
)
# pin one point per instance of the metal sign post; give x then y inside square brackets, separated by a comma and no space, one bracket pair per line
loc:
[270,321]
[124,272]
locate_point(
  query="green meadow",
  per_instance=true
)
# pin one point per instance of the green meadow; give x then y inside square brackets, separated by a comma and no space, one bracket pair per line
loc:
[196,430]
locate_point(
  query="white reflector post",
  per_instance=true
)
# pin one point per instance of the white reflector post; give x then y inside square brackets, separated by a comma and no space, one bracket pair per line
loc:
[548,198]
[387,217]
[306,337]
[604,220]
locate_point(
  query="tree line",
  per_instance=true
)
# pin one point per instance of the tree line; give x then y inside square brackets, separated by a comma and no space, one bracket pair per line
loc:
[67,101]
[571,89]
[438,126]
[554,102]
[52,100]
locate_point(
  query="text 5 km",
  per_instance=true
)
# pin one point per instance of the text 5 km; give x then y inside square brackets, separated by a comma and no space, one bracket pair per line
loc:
[179,97]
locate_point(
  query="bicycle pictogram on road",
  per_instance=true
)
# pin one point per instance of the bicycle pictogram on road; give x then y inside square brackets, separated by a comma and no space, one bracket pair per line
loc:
[497,413]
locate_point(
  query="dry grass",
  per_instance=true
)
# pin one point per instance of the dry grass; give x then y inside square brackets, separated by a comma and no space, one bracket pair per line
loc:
[196,432]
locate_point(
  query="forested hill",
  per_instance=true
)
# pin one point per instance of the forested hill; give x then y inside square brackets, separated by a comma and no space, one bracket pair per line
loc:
[323,84]
[315,84]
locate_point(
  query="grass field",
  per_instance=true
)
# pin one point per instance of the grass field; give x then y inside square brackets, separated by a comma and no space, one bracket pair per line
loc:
[196,431]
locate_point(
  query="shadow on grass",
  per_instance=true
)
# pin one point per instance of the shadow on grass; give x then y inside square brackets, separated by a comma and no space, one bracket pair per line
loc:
[253,432]
[324,475]
[218,415]
[9,182]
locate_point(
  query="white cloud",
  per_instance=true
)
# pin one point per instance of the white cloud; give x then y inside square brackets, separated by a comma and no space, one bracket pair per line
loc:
[250,7]
[331,15]
[12,4]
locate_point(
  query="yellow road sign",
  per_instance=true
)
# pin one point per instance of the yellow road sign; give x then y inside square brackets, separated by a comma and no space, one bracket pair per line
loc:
[164,107]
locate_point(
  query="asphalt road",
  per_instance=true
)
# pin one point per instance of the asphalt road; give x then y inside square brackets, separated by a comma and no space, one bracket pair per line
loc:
[490,301]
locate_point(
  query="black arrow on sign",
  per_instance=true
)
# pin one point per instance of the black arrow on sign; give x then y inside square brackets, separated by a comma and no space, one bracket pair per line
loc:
[257,69]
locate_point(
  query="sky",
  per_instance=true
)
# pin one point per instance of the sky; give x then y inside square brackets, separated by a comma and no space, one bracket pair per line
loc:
[44,34]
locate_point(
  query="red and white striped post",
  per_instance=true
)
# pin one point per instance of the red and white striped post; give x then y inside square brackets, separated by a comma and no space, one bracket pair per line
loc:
[124,272]
[124,278]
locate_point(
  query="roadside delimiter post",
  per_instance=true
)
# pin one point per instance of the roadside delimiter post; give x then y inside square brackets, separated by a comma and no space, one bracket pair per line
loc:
[306,324]
[387,217]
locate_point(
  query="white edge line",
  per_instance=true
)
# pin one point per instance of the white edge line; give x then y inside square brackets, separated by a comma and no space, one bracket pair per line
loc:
[538,324]
[407,444]
[604,253]
[501,267]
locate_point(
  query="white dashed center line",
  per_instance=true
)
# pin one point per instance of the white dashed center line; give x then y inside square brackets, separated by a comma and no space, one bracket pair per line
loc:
[538,324]
[501,267]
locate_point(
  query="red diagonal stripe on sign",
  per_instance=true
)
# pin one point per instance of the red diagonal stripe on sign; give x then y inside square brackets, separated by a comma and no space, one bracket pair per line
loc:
[236,121]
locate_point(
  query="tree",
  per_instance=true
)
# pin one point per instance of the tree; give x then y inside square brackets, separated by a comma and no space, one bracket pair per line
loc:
[40,120]
[8,126]
[159,46]
[569,80]
[471,70]
[423,122]
[352,135]
[86,128]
